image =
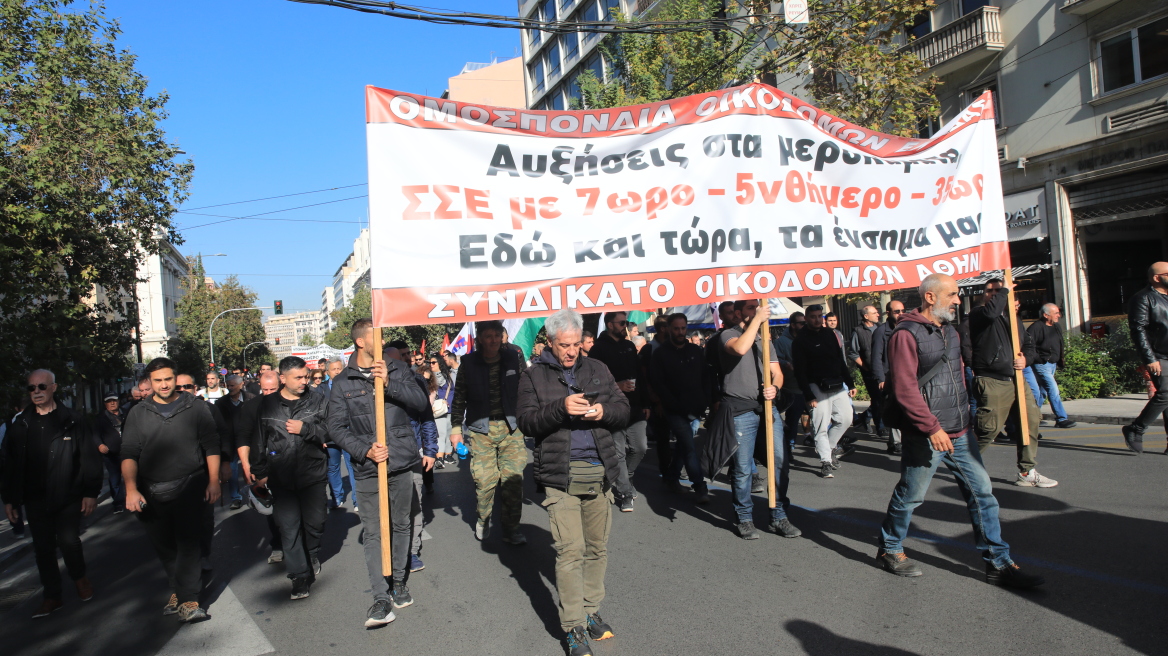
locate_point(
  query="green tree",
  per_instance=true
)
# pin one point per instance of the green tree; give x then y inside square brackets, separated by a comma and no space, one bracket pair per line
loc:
[361,307]
[88,182]
[846,60]
[307,340]
[199,305]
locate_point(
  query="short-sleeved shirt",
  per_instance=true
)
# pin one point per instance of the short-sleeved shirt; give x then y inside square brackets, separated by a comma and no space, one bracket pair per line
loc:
[740,373]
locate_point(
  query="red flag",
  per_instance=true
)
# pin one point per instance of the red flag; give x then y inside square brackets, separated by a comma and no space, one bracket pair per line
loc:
[445,343]
[423,349]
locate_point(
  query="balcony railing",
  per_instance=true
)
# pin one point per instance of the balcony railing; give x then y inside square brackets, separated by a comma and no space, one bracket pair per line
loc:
[979,29]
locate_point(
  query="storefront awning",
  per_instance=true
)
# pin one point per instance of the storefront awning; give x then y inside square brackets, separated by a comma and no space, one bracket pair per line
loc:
[1018,271]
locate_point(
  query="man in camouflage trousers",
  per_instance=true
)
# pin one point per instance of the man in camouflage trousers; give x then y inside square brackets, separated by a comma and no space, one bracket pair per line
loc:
[484,412]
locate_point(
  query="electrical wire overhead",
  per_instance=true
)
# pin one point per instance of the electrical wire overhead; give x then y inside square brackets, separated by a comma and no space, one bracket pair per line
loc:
[446,17]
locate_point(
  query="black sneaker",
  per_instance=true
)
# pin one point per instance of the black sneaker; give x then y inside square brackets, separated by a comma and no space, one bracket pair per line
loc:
[1134,439]
[894,449]
[598,629]
[757,484]
[898,564]
[825,470]
[747,531]
[703,494]
[783,527]
[380,614]
[625,504]
[674,487]
[1012,576]
[300,588]
[576,642]
[843,451]
[236,504]
[1066,423]
[809,441]
[400,595]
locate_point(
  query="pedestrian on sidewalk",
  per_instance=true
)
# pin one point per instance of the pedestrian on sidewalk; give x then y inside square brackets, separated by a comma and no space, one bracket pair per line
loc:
[352,425]
[170,462]
[924,383]
[288,457]
[1147,317]
[880,365]
[681,379]
[571,405]
[52,468]
[994,364]
[484,416]
[823,375]
[619,354]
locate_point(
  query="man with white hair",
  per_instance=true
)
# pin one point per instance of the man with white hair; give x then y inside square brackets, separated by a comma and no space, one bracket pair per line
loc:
[52,467]
[931,408]
[1048,343]
[571,405]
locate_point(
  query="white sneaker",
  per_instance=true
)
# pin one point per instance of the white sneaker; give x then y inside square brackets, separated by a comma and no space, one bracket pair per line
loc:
[1034,479]
[276,557]
[482,531]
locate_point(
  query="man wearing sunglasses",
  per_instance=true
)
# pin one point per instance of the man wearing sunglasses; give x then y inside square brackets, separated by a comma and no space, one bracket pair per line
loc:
[52,467]
[880,363]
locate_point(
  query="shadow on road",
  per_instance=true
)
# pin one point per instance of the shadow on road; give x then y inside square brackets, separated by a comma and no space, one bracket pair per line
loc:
[818,640]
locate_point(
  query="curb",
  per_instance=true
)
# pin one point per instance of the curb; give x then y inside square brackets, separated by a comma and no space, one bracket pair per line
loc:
[1097,419]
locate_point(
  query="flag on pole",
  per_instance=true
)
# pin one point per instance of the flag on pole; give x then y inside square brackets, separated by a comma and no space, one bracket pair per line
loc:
[422,348]
[524,336]
[445,343]
[717,317]
[464,341]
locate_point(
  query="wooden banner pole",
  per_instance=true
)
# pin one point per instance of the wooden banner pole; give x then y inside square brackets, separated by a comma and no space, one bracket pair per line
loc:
[382,472]
[767,405]
[1019,377]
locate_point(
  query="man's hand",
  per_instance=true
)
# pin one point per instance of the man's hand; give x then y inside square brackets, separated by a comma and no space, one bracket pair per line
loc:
[378,453]
[769,393]
[293,426]
[645,411]
[427,463]
[213,492]
[763,313]
[1154,368]
[380,370]
[626,386]
[248,477]
[576,405]
[812,403]
[11,512]
[455,440]
[88,505]
[103,449]
[852,392]
[1020,363]
[594,416]
[135,501]
[941,442]
[880,386]
[263,482]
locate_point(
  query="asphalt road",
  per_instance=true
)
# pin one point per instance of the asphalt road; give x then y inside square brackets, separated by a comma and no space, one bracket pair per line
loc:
[679,580]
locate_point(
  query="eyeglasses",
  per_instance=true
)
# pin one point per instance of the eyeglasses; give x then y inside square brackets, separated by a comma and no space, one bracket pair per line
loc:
[41,386]
[433,362]
[895,311]
[186,387]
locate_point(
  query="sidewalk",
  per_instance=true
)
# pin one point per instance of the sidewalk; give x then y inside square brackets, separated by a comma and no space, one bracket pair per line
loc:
[1119,410]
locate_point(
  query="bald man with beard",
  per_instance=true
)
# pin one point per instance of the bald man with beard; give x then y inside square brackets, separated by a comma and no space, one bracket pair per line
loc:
[269,383]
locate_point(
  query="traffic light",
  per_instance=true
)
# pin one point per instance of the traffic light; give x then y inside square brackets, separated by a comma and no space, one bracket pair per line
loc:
[277,341]
[279,305]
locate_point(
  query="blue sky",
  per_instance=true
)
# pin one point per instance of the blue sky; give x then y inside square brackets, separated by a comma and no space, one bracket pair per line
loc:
[267,98]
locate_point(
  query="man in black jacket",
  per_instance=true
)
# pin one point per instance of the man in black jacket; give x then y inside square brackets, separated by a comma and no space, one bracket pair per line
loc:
[619,354]
[880,363]
[246,416]
[52,467]
[823,375]
[351,425]
[994,363]
[228,407]
[484,411]
[1049,347]
[681,380]
[288,456]
[108,429]
[170,462]
[576,463]
[1147,317]
[860,353]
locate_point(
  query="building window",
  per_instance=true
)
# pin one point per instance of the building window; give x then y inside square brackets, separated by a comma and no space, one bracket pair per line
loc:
[557,100]
[575,97]
[590,14]
[921,25]
[571,45]
[1134,56]
[596,65]
[976,90]
[553,62]
[972,5]
[565,5]
[549,11]
[536,72]
[608,7]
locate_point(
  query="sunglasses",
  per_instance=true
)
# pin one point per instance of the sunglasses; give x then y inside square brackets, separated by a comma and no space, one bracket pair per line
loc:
[433,362]
[896,312]
[41,386]
[186,387]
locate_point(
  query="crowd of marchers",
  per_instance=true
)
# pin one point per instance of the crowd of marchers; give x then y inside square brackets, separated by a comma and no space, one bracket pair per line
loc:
[583,410]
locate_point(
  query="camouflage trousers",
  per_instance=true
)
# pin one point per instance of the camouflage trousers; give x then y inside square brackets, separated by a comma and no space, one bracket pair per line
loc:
[497,462]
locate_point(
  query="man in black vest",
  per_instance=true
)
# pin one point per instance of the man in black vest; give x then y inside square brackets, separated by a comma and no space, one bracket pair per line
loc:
[925,382]
[484,407]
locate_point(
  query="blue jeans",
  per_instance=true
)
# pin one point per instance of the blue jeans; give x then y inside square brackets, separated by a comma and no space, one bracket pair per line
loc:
[113,470]
[748,426]
[334,474]
[1047,388]
[969,391]
[233,484]
[917,465]
[685,452]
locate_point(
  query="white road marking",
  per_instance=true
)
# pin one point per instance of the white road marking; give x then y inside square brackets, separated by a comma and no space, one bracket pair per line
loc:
[230,632]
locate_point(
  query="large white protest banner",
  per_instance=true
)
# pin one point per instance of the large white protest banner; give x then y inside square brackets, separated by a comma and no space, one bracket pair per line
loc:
[481,212]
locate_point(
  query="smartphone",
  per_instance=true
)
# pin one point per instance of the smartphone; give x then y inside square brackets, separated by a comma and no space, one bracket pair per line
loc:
[591,397]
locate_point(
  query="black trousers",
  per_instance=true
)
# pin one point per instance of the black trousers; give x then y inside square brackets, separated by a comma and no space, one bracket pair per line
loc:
[53,529]
[1158,404]
[659,427]
[300,514]
[176,529]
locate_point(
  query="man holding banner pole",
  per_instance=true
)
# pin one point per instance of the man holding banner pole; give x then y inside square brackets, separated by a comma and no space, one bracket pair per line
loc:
[351,424]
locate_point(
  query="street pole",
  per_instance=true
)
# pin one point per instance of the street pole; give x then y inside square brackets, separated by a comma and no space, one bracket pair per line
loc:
[245,353]
[211,328]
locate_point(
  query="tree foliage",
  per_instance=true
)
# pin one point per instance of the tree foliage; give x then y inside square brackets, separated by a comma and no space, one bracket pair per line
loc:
[199,305]
[361,307]
[846,61]
[88,183]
